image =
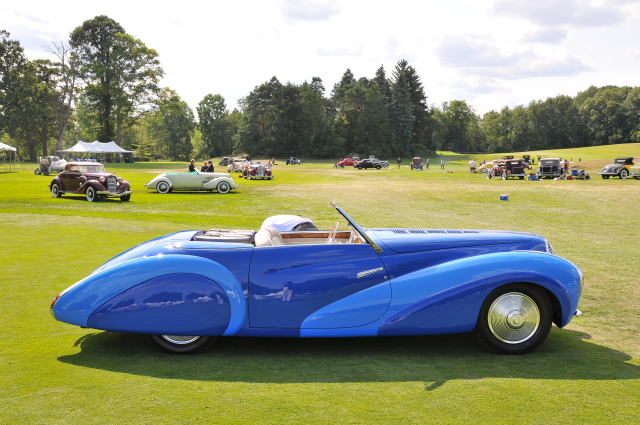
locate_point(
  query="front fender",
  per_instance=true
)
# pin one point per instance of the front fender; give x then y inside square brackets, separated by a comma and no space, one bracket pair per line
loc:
[81,300]
[153,183]
[96,185]
[447,298]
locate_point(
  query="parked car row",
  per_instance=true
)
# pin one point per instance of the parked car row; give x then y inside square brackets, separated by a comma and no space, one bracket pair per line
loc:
[356,162]
[552,168]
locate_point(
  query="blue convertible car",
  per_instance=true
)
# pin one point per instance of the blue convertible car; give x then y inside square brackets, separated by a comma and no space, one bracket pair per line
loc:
[185,289]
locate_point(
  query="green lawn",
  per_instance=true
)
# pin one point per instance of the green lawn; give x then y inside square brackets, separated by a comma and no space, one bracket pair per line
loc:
[51,372]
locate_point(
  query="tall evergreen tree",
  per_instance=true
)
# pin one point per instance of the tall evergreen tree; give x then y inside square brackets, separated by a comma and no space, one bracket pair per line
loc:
[383,85]
[401,116]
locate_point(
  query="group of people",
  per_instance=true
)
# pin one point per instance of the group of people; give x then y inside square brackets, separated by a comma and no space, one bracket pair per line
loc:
[207,166]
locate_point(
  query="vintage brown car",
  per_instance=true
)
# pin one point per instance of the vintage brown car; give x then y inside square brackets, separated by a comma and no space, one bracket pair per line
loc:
[91,180]
[508,168]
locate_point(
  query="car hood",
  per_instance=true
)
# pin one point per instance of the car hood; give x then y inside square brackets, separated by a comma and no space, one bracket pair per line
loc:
[416,240]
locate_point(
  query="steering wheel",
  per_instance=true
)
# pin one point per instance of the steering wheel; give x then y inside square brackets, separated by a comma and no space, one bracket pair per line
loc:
[332,233]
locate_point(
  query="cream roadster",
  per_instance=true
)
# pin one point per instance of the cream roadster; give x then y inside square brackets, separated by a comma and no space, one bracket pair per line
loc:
[195,180]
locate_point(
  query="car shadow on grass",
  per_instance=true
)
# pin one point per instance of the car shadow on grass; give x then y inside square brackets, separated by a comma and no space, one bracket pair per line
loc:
[434,360]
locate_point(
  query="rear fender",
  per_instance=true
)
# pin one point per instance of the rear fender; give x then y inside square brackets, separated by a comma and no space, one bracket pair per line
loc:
[447,298]
[81,300]
[213,184]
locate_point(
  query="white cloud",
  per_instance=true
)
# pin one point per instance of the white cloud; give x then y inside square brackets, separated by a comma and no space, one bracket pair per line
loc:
[546,36]
[477,56]
[559,12]
[470,52]
[309,10]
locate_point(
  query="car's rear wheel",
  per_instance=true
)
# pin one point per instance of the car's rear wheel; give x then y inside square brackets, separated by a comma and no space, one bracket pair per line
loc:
[223,187]
[636,177]
[163,187]
[504,175]
[514,319]
[521,177]
[605,177]
[91,194]
[55,190]
[182,344]
[623,174]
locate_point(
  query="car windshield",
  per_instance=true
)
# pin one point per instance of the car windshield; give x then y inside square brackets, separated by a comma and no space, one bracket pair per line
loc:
[92,168]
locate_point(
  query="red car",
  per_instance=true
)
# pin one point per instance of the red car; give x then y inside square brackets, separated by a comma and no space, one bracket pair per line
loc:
[91,180]
[349,162]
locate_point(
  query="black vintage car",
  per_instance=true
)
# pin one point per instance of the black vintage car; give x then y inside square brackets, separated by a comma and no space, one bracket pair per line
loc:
[508,168]
[549,168]
[369,163]
[620,168]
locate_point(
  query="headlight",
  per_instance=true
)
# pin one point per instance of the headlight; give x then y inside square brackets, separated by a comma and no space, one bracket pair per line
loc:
[102,179]
[120,179]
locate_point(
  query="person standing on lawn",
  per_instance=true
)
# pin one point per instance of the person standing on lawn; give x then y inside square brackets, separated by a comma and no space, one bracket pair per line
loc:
[399,161]
[442,164]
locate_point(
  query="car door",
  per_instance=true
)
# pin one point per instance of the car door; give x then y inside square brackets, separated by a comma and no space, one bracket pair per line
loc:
[72,177]
[190,181]
[322,286]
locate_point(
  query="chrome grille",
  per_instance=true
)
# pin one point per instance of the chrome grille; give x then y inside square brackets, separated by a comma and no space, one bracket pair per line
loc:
[111,183]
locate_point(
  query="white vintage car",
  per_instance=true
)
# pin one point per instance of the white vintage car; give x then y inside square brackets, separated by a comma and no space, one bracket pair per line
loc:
[195,180]
[236,166]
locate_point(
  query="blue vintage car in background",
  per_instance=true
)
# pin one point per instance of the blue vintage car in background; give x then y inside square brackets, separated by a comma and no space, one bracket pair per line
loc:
[185,289]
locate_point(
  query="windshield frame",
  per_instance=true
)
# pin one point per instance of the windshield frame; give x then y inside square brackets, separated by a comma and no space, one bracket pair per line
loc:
[357,228]
[83,168]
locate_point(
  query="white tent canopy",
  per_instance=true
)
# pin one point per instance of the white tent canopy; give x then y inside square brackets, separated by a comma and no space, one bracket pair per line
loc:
[5,147]
[95,147]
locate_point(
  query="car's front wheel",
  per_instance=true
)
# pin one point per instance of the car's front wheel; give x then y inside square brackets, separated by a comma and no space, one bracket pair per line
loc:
[623,174]
[125,198]
[91,194]
[55,190]
[223,187]
[605,177]
[36,171]
[182,344]
[504,175]
[514,319]
[489,175]
[163,187]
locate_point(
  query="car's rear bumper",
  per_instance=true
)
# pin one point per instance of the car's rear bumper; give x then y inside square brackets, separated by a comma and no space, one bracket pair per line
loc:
[116,195]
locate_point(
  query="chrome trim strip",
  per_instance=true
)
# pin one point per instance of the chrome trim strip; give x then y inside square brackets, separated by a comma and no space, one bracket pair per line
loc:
[368,272]
[356,228]
[117,195]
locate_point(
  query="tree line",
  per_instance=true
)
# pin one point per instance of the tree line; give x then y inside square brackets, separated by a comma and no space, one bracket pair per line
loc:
[105,85]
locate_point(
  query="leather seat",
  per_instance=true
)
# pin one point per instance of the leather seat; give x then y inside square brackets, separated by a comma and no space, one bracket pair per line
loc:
[269,237]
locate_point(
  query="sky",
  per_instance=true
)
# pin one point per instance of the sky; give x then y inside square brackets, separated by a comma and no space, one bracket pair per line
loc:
[490,53]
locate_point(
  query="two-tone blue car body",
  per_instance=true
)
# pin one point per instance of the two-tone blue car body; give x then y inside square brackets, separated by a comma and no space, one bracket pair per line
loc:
[187,288]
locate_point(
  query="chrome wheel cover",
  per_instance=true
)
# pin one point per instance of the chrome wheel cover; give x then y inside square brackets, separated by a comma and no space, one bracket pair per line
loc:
[181,339]
[54,190]
[163,187]
[90,194]
[223,187]
[513,318]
